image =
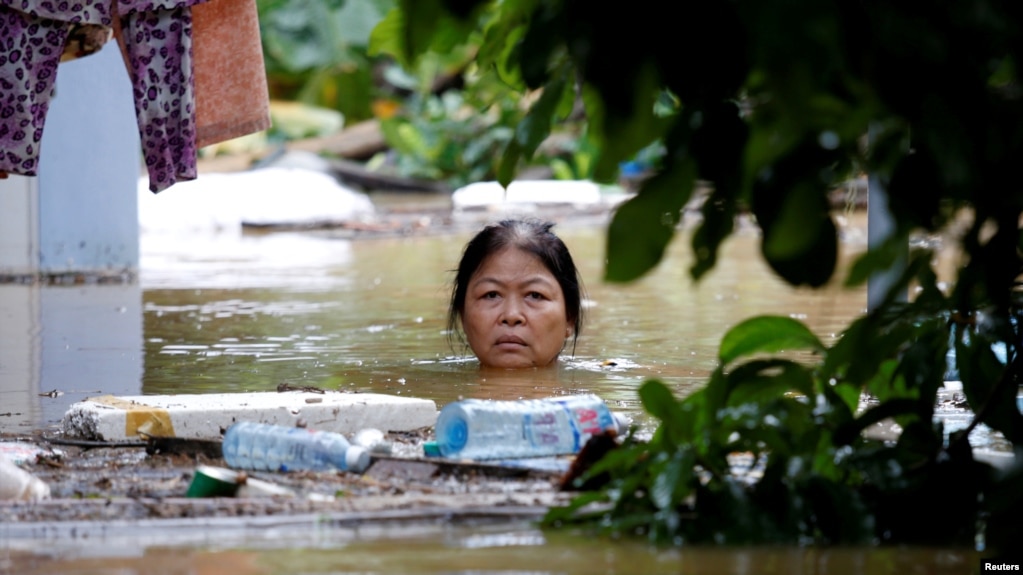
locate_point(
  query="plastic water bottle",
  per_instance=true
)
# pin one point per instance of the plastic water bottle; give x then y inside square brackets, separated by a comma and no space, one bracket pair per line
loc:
[18,484]
[266,447]
[488,429]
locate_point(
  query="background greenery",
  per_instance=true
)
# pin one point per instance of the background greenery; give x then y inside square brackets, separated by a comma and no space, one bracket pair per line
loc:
[773,104]
[443,116]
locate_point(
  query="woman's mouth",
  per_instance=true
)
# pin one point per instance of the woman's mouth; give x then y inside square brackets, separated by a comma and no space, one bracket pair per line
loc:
[510,340]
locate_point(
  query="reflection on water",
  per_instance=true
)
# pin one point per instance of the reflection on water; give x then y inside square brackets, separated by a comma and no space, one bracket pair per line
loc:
[62,344]
[478,548]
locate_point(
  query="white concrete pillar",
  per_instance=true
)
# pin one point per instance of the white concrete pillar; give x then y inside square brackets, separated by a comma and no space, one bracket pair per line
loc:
[80,215]
[19,220]
[89,168]
[77,218]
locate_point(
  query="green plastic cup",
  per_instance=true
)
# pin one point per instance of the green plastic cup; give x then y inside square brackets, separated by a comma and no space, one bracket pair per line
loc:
[210,481]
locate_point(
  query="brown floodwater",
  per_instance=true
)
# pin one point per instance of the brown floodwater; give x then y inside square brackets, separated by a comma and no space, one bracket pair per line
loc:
[246,312]
[369,315]
[474,549]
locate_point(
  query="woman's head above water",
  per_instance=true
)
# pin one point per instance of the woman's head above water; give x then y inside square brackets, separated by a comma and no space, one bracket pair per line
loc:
[517,295]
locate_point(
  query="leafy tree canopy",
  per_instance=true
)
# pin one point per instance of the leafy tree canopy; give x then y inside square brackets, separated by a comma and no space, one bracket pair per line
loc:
[773,104]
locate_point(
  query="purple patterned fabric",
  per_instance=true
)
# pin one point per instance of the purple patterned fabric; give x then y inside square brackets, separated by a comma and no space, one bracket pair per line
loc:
[158,40]
[30,50]
[133,6]
[160,48]
[72,11]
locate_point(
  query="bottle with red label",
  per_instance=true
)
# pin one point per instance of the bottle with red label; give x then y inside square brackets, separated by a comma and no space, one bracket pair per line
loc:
[488,429]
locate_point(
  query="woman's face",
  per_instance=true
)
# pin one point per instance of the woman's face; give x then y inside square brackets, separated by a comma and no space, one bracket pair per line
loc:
[514,312]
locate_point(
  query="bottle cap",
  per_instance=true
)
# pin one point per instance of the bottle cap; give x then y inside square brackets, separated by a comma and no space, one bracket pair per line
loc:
[356,459]
[431,449]
[452,429]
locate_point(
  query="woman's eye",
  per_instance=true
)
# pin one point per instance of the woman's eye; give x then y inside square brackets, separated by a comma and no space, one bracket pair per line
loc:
[490,295]
[535,295]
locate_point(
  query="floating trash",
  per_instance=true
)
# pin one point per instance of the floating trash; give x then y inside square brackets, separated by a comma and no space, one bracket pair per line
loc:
[18,484]
[17,452]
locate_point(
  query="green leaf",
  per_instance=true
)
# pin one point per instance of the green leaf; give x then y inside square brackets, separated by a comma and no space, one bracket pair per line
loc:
[718,223]
[536,126]
[848,394]
[509,163]
[880,258]
[794,231]
[790,202]
[671,483]
[989,390]
[386,37]
[568,513]
[664,484]
[889,409]
[756,437]
[718,142]
[622,136]
[714,396]
[838,512]
[544,34]
[413,139]
[658,400]
[567,104]
[620,461]
[762,381]
[813,268]
[498,51]
[766,334]
[642,227]
[561,169]
[301,36]
[420,24]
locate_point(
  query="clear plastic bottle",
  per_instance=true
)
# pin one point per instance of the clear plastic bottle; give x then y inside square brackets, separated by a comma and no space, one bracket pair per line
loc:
[18,484]
[266,447]
[488,429]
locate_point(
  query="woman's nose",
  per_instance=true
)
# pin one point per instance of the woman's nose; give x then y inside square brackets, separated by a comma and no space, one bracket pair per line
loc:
[511,314]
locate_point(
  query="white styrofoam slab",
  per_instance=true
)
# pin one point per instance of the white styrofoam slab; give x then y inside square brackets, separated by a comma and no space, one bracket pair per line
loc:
[206,416]
[482,194]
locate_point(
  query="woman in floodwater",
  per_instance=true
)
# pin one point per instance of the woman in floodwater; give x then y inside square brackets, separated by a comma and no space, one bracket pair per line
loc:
[517,295]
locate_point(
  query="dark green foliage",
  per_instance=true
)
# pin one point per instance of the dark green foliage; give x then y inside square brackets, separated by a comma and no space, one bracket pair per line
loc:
[315,52]
[792,208]
[772,104]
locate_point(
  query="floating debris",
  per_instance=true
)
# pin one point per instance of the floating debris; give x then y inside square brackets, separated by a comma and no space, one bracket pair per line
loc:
[18,484]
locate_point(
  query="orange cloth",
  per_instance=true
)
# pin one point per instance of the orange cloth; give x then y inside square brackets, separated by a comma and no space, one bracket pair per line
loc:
[231,95]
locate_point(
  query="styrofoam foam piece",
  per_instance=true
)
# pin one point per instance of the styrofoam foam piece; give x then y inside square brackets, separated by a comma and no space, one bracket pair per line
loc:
[207,416]
[273,195]
[482,194]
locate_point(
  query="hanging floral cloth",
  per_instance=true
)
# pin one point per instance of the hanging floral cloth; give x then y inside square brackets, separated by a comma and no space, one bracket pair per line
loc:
[196,70]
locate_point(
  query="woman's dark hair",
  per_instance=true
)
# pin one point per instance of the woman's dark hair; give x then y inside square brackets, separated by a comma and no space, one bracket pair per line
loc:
[534,237]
